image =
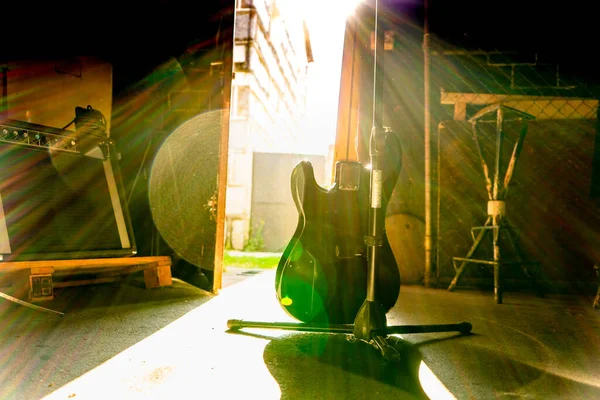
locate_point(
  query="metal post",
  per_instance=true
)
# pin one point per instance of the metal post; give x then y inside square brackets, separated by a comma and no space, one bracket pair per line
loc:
[376,147]
[498,161]
[497,216]
[497,261]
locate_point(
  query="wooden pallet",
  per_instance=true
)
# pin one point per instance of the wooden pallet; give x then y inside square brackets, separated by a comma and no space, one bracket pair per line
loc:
[39,278]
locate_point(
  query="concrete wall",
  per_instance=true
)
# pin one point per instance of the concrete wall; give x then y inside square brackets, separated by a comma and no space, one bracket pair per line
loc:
[273,207]
[267,103]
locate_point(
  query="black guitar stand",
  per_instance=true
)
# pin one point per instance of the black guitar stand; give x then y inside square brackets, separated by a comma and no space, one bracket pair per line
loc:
[370,324]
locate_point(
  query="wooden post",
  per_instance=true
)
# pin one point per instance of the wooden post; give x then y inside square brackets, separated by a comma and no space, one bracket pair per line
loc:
[157,276]
[348,113]
[41,287]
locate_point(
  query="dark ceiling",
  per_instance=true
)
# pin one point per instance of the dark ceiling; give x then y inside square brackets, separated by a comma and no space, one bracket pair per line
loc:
[135,36]
[559,32]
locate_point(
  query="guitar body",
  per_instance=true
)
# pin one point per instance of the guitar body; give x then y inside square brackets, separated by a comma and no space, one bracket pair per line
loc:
[322,274]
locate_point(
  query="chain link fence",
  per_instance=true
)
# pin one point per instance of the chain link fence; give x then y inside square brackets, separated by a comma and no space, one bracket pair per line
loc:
[552,203]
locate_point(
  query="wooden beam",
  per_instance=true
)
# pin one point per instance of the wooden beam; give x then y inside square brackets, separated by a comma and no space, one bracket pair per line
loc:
[86,264]
[460,111]
[487,98]
[541,107]
[157,276]
[348,118]
[227,77]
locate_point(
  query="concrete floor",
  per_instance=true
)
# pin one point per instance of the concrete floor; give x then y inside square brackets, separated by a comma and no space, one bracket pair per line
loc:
[121,341]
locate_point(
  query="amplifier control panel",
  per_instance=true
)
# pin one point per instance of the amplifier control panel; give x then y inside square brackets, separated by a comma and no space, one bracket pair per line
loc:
[27,134]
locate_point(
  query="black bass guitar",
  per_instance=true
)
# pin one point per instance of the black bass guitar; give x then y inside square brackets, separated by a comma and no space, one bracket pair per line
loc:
[322,274]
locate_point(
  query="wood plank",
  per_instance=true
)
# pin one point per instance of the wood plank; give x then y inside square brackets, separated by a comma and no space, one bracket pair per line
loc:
[42,270]
[485,98]
[222,176]
[83,264]
[540,107]
[119,269]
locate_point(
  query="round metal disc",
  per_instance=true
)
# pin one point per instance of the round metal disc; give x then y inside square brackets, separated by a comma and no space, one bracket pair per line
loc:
[405,234]
[183,188]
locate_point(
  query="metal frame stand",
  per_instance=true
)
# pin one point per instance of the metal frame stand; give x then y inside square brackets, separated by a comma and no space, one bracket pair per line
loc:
[370,324]
[496,207]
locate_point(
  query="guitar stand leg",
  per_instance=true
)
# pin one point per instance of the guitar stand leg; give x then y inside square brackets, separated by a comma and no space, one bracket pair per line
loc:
[370,326]
[237,324]
[388,351]
[378,338]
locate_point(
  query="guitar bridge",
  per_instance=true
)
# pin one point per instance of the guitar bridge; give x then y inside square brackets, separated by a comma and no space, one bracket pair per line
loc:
[349,175]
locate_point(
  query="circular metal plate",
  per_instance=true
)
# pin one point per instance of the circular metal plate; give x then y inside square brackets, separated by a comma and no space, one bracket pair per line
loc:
[183,188]
[405,233]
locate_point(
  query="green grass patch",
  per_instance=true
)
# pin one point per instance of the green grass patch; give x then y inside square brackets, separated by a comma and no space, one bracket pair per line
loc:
[250,260]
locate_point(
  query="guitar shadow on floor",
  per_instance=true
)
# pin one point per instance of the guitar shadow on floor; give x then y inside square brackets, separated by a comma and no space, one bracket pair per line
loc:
[326,366]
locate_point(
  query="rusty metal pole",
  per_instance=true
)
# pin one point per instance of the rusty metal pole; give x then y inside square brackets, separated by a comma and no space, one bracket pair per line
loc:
[427,133]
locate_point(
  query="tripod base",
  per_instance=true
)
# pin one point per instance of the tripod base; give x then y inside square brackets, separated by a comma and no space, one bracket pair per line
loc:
[495,225]
[236,324]
[378,338]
